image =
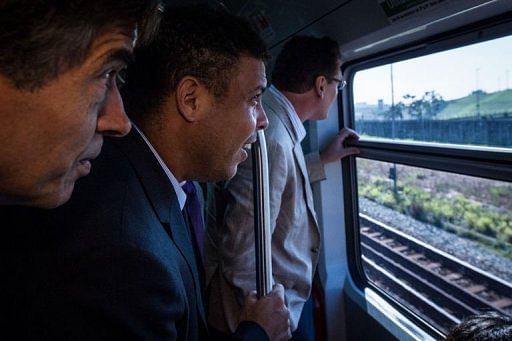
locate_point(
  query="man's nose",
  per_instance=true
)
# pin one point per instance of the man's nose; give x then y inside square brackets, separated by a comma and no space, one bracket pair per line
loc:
[112,119]
[262,120]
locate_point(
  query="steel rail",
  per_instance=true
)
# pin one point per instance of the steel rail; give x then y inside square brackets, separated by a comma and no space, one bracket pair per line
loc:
[433,272]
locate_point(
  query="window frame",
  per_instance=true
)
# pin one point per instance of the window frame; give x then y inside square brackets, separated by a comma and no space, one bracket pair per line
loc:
[485,162]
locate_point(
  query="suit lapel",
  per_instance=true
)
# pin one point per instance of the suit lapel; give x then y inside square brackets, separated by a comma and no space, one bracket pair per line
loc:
[299,156]
[277,109]
[280,112]
[163,199]
[180,234]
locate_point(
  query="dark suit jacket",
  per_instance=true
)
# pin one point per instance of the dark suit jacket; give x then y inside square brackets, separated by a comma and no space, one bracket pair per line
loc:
[114,262]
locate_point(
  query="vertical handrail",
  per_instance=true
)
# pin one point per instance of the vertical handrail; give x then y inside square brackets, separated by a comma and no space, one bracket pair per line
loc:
[262,232]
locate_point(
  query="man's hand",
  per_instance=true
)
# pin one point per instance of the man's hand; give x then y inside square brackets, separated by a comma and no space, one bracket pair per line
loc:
[269,312]
[336,150]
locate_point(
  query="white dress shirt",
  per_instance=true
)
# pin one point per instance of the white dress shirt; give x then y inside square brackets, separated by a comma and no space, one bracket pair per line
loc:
[182,197]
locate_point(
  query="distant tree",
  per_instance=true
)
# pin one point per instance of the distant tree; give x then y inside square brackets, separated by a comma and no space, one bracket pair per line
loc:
[415,107]
[427,107]
[478,92]
[433,104]
[394,112]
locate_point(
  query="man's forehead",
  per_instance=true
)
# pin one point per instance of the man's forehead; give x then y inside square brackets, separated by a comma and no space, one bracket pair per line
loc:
[113,34]
[246,65]
[251,67]
[116,43]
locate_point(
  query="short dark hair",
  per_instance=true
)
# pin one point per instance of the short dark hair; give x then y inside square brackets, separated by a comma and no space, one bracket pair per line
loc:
[39,39]
[193,41]
[489,326]
[302,60]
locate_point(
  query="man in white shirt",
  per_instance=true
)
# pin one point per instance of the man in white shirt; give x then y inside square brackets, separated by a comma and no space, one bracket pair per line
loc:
[306,79]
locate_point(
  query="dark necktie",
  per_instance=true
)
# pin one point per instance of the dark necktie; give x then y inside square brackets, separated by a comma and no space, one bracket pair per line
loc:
[193,210]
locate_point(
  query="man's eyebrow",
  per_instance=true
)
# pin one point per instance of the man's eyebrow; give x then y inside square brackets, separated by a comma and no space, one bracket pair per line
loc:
[121,55]
[261,88]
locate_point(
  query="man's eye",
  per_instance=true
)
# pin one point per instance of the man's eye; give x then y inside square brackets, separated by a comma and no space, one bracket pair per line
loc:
[117,76]
[107,75]
[121,78]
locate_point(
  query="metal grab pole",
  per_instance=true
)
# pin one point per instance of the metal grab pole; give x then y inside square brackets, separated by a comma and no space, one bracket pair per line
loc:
[262,232]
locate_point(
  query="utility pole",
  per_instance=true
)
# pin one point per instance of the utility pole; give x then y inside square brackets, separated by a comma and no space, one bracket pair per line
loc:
[393,111]
[393,169]
[477,93]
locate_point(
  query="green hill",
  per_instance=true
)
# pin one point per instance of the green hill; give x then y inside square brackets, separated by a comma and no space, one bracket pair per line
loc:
[490,104]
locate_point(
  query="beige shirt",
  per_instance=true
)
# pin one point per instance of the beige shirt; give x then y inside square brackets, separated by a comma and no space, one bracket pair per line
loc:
[230,259]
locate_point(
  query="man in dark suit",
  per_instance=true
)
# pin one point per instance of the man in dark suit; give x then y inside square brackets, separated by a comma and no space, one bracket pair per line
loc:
[58,96]
[117,260]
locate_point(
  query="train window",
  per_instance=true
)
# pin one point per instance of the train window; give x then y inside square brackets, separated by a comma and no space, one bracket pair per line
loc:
[434,181]
[460,96]
[426,223]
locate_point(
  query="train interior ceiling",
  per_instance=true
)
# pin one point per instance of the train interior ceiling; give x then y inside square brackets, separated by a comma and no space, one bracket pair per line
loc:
[357,304]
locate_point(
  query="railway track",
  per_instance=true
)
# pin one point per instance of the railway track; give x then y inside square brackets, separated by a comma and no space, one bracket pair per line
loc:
[429,281]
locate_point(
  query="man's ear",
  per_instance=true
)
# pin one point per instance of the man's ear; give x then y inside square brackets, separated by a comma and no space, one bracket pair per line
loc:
[191,98]
[320,86]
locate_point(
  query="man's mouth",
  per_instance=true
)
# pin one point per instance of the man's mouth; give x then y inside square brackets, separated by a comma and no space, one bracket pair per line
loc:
[85,161]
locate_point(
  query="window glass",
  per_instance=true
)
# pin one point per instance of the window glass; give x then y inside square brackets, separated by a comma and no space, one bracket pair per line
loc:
[460,96]
[439,243]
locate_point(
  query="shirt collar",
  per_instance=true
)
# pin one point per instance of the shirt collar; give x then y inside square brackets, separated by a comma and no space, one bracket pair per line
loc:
[298,127]
[182,197]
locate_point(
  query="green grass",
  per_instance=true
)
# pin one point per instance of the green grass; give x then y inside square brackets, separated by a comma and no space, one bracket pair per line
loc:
[490,104]
[488,225]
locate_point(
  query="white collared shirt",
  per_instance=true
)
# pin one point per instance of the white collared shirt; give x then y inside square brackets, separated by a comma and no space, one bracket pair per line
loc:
[182,197]
[298,127]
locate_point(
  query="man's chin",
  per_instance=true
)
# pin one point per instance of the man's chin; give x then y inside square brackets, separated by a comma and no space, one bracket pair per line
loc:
[45,194]
[46,201]
[229,173]
[59,198]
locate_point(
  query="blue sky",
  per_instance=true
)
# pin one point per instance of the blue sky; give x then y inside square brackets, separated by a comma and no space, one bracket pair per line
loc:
[452,74]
